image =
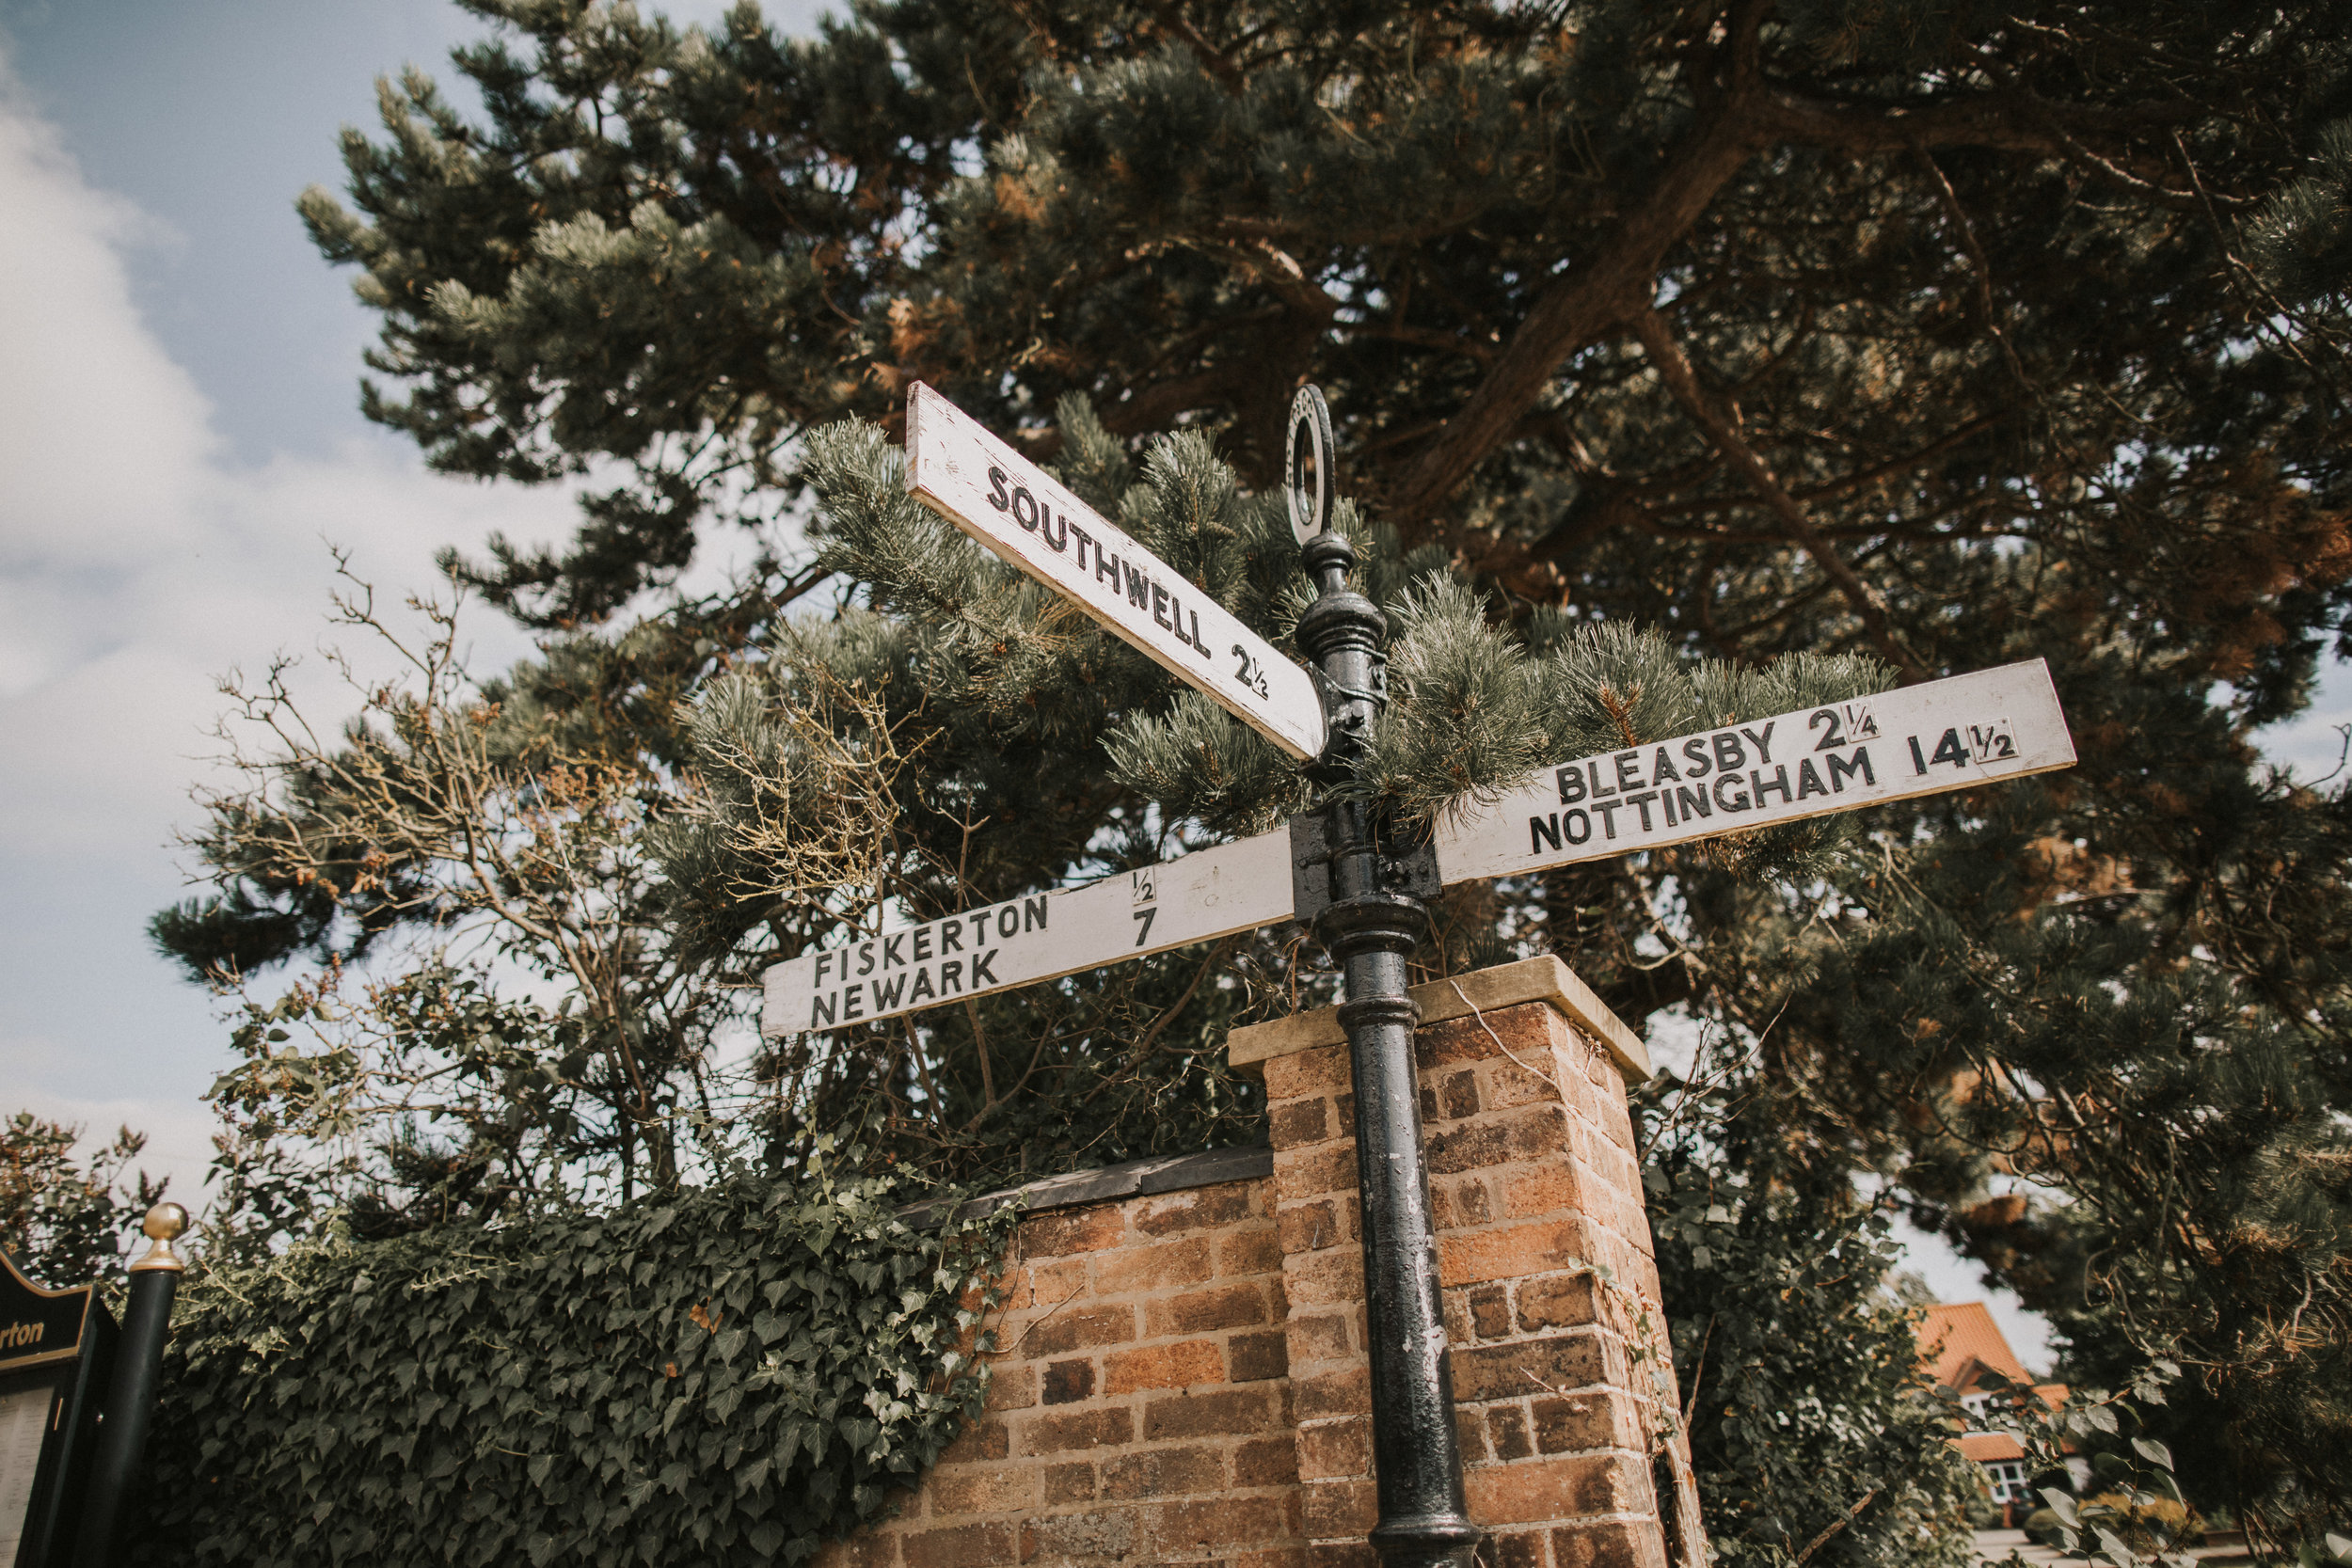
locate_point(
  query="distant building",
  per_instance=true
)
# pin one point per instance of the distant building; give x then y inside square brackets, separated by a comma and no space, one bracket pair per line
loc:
[1960,1347]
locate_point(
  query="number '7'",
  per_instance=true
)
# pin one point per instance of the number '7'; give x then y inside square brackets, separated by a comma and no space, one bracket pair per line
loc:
[1145,916]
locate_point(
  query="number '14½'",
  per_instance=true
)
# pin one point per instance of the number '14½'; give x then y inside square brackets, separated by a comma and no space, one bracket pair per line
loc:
[1958,746]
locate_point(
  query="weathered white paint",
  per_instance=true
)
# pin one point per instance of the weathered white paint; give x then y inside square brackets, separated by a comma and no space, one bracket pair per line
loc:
[1210,893]
[1016,509]
[1939,735]
[1946,735]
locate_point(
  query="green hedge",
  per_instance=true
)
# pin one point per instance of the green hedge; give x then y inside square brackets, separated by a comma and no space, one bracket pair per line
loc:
[728,1375]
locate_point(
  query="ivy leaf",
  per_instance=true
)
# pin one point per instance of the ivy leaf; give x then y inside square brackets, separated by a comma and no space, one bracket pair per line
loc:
[296,1424]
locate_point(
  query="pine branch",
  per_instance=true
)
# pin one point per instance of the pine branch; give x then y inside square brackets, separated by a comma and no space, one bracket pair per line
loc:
[1683,382]
[1591,300]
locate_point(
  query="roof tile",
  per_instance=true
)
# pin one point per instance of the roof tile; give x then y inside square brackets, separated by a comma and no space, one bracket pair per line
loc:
[1960,1340]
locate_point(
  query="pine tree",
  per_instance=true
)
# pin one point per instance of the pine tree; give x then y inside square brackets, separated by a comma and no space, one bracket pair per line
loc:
[1684,360]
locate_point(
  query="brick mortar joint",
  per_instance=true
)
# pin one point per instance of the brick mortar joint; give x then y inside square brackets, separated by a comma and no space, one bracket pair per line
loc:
[1642,1332]
[1549,1456]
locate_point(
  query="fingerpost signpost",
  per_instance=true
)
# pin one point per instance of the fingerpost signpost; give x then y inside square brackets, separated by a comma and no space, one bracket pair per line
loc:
[1361,882]
[1024,513]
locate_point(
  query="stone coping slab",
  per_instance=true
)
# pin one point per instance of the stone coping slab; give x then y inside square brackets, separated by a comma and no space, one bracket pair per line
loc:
[1543,979]
[1164,1173]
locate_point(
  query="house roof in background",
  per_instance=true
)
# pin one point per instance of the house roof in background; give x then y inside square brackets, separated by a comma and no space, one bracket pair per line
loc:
[1958,1339]
[1991,1447]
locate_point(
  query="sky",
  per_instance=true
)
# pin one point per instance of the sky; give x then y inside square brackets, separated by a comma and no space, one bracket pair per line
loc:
[179,444]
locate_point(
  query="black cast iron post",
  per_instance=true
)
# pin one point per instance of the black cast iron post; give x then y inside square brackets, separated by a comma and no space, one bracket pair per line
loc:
[131,1392]
[1370,927]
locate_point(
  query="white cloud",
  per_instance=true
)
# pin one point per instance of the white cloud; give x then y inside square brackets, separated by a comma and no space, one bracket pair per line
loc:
[139,559]
[98,431]
[136,562]
[123,694]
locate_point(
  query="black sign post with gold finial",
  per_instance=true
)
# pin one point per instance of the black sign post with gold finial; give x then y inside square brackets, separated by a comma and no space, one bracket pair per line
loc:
[130,1391]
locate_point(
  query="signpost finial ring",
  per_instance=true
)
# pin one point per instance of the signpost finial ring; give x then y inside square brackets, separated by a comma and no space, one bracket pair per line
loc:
[1306,464]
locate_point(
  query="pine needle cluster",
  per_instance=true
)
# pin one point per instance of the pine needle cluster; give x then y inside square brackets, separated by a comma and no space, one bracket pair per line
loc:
[1477,704]
[1479,709]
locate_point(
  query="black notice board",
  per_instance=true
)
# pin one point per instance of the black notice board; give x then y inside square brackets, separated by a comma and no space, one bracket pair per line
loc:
[57,1350]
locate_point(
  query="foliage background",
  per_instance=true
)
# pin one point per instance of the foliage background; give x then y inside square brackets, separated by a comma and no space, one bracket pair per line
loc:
[727,1374]
[64,1220]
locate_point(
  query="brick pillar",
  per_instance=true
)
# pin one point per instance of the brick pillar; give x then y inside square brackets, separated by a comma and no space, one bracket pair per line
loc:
[1562,1377]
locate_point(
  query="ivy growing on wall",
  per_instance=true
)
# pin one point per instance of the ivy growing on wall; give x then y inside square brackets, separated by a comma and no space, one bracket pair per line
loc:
[725,1375]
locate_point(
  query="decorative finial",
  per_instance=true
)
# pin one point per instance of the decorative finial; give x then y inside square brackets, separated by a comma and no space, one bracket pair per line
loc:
[164,1223]
[1309,471]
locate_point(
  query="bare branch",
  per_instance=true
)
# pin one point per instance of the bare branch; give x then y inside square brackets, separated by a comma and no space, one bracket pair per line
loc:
[1683,382]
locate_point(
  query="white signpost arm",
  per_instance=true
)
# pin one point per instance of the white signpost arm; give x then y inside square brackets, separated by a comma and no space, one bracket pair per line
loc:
[1211,892]
[1021,512]
[1975,729]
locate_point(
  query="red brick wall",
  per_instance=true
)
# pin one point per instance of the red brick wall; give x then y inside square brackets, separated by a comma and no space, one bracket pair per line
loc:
[1139,1412]
[1182,1377]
